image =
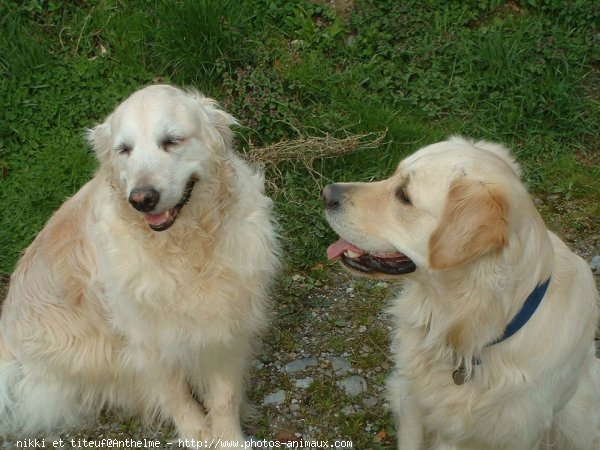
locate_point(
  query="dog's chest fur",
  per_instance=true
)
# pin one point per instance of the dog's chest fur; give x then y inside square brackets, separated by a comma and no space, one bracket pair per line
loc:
[189,284]
[511,383]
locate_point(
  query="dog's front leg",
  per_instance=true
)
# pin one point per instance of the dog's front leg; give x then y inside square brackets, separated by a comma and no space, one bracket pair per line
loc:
[223,394]
[410,427]
[177,401]
[409,417]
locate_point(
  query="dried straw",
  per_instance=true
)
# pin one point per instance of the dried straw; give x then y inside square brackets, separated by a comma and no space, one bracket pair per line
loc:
[306,150]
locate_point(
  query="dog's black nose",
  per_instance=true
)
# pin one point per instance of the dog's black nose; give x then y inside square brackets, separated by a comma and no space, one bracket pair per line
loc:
[333,195]
[144,199]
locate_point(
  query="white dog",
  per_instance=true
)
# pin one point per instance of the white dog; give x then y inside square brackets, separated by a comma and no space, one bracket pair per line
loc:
[147,289]
[495,327]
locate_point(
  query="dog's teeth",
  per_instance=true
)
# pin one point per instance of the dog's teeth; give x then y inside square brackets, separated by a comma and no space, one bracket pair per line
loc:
[351,254]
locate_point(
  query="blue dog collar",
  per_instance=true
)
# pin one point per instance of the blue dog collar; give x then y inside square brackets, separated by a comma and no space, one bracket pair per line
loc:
[518,321]
[525,313]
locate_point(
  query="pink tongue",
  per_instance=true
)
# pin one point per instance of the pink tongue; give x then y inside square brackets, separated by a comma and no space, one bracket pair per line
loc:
[157,219]
[336,250]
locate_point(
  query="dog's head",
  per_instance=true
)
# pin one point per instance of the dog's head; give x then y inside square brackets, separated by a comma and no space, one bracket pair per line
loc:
[444,207]
[157,144]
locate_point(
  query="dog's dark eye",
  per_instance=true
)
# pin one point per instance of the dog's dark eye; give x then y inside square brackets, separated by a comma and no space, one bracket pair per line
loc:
[402,195]
[124,149]
[170,141]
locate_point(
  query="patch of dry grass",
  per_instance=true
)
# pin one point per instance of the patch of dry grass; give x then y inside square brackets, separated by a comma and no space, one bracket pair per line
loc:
[305,150]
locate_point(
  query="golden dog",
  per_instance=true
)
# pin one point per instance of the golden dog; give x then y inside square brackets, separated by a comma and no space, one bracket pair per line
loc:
[495,326]
[147,289]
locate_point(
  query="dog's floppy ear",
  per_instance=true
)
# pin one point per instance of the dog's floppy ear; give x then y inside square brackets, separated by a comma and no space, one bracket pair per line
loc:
[473,223]
[221,120]
[99,138]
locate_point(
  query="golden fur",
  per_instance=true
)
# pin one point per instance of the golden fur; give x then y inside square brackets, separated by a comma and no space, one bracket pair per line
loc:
[462,235]
[102,311]
[459,211]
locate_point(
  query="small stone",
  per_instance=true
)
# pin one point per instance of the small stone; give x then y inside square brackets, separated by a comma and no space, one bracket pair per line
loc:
[258,365]
[348,410]
[300,365]
[294,407]
[312,412]
[382,285]
[340,323]
[340,365]
[362,329]
[350,290]
[595,264]
[276,398]
[538,201]
[370,402]
[353,386]
[304,383]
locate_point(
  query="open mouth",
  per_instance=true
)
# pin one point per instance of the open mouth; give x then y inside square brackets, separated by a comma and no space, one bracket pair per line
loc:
[393,263]
[164,220]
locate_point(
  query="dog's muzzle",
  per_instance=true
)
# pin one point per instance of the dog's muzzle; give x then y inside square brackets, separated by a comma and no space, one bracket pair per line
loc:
[145,200]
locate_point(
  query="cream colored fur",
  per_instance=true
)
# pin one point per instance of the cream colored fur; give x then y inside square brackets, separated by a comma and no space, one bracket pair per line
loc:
[480,248]
[104,312]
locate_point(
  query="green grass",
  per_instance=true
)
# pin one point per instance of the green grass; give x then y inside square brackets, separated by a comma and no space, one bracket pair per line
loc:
[518,72]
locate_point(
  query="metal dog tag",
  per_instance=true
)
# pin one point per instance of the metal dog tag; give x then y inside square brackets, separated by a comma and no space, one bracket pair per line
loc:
[459,376]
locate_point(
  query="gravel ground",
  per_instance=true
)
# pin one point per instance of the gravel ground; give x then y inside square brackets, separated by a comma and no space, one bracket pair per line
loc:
[321,372]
